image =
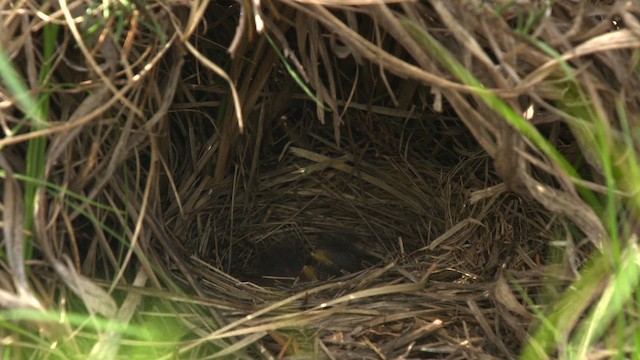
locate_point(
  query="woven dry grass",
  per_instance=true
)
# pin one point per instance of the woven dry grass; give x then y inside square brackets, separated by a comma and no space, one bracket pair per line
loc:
[437,288]
[172,169]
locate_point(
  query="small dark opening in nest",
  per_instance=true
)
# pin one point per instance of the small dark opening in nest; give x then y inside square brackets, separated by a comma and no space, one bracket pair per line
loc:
[310,257]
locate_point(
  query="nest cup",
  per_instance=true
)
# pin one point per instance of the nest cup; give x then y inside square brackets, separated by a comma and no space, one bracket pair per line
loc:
[395,212]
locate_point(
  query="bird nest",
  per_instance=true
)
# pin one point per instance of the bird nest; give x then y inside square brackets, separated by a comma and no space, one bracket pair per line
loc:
[397,179]
[372,247]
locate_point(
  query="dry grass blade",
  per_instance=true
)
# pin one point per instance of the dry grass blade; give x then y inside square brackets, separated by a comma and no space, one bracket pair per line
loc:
[13,234]
[223,74]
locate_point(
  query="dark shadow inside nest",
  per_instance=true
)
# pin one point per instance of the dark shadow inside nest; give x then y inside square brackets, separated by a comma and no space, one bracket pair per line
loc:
[296,259]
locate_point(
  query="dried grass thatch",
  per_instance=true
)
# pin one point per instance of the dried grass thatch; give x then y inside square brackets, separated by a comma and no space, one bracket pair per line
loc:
[173,175]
